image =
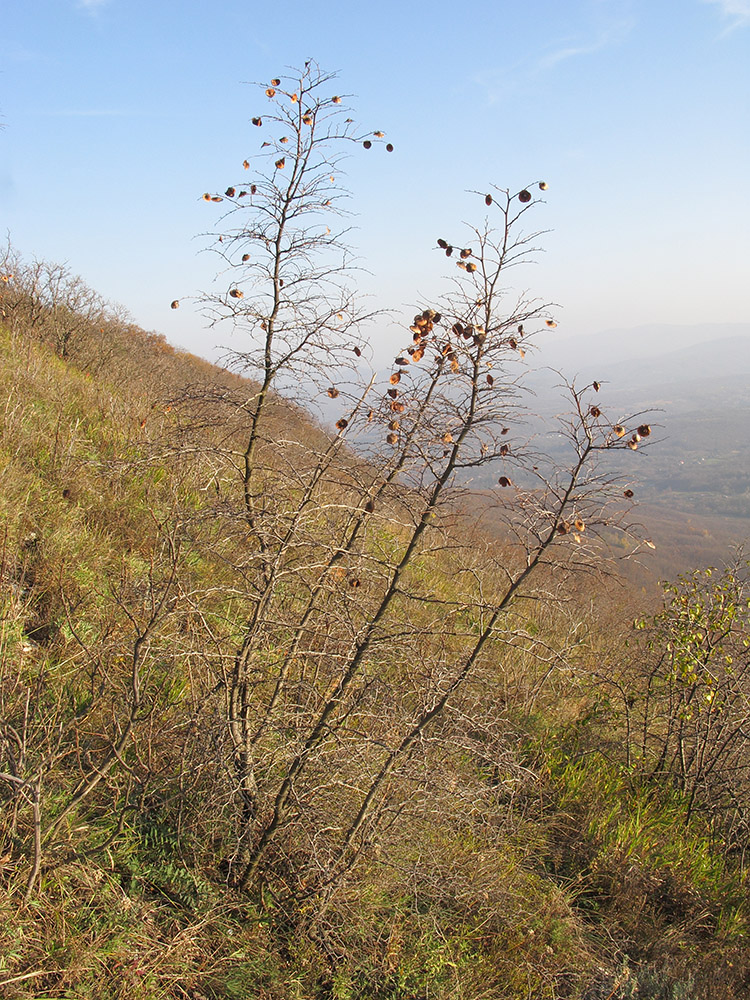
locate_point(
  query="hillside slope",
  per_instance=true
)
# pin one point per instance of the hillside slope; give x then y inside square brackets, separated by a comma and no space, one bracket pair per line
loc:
[195,804]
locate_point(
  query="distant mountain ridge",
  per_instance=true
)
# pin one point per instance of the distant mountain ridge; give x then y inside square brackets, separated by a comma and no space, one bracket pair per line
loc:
[649,342]
[696,382]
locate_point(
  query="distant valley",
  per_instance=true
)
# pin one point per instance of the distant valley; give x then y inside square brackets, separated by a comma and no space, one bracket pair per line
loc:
[694,384]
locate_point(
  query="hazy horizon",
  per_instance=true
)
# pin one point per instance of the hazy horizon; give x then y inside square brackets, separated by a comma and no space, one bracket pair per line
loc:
[118,116]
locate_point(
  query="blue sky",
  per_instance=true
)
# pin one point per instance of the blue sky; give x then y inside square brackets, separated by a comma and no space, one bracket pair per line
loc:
[119,113]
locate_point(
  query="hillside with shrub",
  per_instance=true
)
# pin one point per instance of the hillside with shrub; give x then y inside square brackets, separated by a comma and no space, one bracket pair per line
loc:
[280,716]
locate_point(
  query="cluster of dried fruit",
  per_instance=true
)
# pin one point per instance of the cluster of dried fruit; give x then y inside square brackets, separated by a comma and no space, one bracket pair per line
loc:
[576,528]
[444,245]
[524,196]
[378,135]
[422,329]
[642,431]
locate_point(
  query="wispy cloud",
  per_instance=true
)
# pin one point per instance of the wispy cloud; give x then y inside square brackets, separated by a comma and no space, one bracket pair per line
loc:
[564,52]
[91,5]
[735,12]
[563,49]
[612,34]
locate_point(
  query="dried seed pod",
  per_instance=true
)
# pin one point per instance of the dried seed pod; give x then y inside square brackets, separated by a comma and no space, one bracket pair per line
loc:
[448,251]
[246,164]
[402,360]
[397,407]
[550,322]
[543,185]
[633,444]
[257,121]
[229,192]
[357,352]
[628,494]
[275,82]
[333,392]
[253,188]
[488,199]
[504,450]
[596,386]
[524,196]
[504,481]
[336,100]
[293,98]
[393,393]
[389,147]
[442,244]
[619,430]
[394,425]
[513,343]
[367,144]
[235,293]
[392,438]
[307,119]
[417,355]
[471,267]
[245,258]
[447,438]
[395,378]
[280,163]
[207,196]
[370,506]
[563,528]
[465,254]
[270,92]
[174,305]
[342,423]
[644,430]
[595,412]
[579,524]
[216,198]
[490,381]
